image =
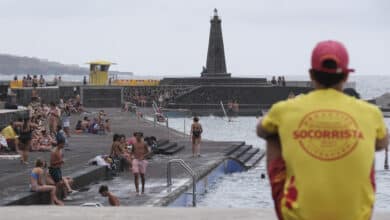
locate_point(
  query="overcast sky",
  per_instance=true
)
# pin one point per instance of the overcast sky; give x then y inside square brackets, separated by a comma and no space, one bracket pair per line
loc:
[171,36]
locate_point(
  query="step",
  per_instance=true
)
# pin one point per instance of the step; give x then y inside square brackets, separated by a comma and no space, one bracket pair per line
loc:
[173,150]
[166,147]
[255,159]
[248,155]
[162,142]
[233,148]
[240,151]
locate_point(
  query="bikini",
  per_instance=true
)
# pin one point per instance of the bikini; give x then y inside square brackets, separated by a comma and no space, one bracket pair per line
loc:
[35,176]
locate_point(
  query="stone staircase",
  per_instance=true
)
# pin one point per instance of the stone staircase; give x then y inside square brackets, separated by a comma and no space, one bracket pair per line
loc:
[245,154]
[166,147]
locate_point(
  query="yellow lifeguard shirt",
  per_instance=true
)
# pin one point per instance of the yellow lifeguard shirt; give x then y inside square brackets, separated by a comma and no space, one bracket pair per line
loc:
[8,132]
[328,145]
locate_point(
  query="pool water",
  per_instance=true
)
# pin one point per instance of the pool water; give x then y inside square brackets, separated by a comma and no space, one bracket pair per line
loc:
[247,189]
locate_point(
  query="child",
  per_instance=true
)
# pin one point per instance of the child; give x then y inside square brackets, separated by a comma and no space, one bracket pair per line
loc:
[113,200]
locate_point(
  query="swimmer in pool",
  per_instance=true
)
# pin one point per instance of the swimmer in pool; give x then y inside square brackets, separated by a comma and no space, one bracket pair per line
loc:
[112,199]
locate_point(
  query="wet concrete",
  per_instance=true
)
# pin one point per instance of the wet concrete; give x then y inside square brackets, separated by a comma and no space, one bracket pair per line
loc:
[14,176]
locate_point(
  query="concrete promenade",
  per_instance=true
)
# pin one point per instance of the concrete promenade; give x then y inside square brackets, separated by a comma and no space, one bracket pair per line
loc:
[14,177]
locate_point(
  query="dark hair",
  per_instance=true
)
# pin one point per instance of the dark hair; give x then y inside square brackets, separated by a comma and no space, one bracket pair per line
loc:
[116,137]
[196,119]
[103,188]
[39,163]
[25,123]
[328,79]
[60,139]
[138,133]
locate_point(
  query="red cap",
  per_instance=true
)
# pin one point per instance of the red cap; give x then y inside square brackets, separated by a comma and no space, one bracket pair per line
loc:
[330,50]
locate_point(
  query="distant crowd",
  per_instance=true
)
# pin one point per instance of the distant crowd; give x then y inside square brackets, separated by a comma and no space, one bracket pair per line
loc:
[278,82]
[146,95]
[35,81]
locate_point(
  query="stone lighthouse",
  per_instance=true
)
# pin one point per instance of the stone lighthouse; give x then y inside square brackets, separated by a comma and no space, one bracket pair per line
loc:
[215,64]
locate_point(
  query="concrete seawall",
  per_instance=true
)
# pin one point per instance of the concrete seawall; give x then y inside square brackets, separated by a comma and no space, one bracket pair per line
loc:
[81,178]
[126,213]
[9,115]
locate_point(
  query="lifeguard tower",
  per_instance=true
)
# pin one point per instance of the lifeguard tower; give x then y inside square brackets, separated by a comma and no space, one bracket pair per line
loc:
[98,74]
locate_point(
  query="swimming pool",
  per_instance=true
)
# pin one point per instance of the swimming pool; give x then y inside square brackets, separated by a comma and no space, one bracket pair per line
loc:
[247,189]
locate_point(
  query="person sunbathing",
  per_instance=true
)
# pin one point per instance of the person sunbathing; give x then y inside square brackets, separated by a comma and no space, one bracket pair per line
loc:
[79,128]
[37,185]
[45,141]
[36,135]
[85,124]
[107,126]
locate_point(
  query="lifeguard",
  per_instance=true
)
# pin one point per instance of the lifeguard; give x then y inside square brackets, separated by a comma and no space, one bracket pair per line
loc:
[321,146]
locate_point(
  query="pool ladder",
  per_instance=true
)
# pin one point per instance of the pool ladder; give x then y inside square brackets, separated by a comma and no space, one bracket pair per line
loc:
[189,171]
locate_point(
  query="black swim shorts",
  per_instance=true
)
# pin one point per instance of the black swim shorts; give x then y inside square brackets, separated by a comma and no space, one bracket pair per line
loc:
[56,174]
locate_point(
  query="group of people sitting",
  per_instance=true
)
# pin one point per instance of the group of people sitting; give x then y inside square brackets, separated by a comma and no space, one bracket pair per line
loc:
[144,95]
[98,125]
[38,130]
[47,121]
[74,104]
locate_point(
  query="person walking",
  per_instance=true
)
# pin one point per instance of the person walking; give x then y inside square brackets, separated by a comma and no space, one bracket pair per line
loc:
[196,137]
[25,138]
[53,117]
[138,153]
[321,146]
[66,116]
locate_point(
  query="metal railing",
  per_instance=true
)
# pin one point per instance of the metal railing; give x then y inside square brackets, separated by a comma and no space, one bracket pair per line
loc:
[189,171]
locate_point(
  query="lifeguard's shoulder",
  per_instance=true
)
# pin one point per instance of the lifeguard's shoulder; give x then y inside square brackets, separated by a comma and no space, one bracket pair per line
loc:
[297,100]
[364,105]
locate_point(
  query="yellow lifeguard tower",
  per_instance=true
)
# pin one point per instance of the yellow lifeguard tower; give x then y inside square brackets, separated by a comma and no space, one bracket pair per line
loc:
[98,74]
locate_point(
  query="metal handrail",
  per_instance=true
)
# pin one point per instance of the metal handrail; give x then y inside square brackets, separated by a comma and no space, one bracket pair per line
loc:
[189,170]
